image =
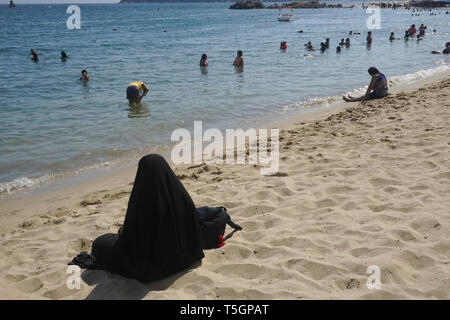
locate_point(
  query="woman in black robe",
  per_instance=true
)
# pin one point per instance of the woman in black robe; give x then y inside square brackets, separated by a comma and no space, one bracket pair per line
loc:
[161,233]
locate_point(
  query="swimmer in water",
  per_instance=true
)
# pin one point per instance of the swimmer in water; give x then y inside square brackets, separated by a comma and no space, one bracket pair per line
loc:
[309,46]
[283,45]
[204,60]
[134,91]
[323,47]
[369,38]
[347,43]
[327,43]
[338,49]
[445,51]
[378,87]
[34,56]
[392,37]
[407,35]
[239,60]
[64,56]
[342,43]
[84,76]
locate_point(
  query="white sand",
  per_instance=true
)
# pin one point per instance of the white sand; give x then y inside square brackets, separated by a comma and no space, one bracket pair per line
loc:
[368,185]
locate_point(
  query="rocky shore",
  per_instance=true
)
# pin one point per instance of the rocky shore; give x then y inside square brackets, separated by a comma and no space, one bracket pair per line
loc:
[312,4]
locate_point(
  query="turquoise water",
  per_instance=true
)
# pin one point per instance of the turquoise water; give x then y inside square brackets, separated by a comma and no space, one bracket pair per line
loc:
[53,126]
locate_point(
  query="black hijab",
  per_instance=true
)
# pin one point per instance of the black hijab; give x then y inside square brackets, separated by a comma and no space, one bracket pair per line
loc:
[161,233]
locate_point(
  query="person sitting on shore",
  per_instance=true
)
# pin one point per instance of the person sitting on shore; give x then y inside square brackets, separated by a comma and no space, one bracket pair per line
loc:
[378,87]
[204,60]
[161,233]
[136,91]
[34,56]
[283,45]
[309,46]
[64,56]
[347,43]
[84,76]
[369,38]
[392,36]
[239,60]
[445,51]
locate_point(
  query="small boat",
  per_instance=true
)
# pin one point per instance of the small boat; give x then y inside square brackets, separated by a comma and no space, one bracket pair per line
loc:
[286,16]
[12,4]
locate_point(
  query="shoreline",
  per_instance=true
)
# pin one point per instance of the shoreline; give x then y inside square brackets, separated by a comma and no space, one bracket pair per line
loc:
[362,184]
[68,190]
[123,165]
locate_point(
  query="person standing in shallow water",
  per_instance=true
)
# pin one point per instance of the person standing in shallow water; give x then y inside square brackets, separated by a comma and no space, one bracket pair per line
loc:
[369,38]
[84,76]
[64,56]
[239,60]
[347,43]
[134,91]
[34,56]
[378,87]
[392,37]
[204,60]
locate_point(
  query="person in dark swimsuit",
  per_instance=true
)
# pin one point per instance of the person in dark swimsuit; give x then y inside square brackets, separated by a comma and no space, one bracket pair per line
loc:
[378,87]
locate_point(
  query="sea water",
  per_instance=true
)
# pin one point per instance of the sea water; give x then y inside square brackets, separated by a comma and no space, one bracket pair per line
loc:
[53,126]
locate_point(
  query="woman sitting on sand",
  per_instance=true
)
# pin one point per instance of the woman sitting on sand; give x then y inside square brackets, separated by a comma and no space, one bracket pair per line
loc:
[378,87]
[161,233]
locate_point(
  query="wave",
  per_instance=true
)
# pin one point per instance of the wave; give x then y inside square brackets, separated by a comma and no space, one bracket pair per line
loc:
[28,183]
[307,105]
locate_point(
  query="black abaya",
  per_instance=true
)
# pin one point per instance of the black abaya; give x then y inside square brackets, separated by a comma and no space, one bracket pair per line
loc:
[161,233]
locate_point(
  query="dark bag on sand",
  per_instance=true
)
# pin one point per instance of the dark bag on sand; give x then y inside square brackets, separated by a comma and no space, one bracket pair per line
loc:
[213,221]
[84,260]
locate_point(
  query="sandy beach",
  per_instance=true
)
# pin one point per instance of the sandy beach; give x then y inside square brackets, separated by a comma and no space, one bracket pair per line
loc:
[359,185]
